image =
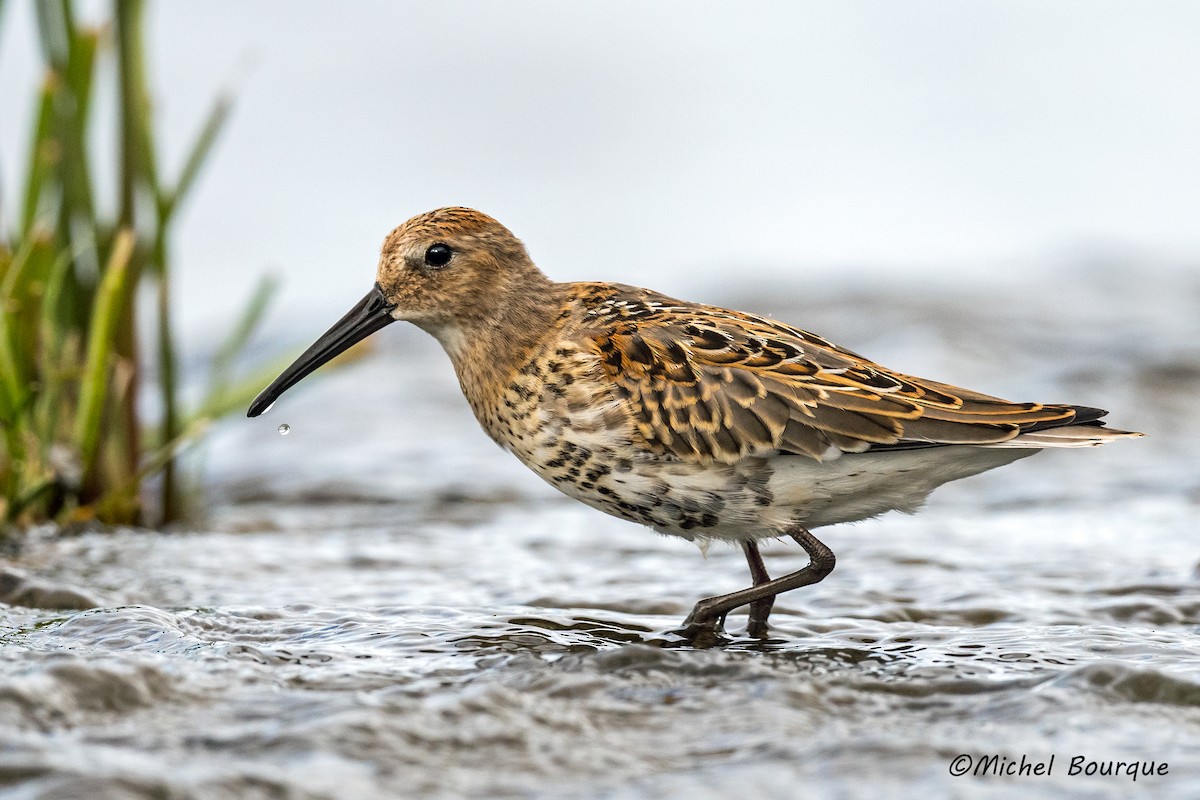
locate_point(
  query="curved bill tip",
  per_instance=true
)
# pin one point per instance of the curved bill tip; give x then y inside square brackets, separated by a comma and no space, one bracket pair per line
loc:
[369,315]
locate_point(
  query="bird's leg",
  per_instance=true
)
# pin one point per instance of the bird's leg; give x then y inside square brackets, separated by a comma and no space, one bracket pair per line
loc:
[706,617]
[759,609]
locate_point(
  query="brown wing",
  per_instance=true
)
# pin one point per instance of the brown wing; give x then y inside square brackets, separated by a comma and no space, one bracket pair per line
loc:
[707,384]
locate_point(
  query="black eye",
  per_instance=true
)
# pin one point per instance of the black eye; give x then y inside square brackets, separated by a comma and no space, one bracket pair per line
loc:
[438,255]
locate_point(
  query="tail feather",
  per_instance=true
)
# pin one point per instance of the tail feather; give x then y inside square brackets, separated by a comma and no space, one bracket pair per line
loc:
[1084,429]
[1086,435]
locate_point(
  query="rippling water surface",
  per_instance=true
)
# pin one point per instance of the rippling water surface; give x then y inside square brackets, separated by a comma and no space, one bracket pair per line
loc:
[383,604]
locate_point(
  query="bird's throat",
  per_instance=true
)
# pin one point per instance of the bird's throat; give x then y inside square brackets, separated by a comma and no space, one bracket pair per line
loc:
[490,348]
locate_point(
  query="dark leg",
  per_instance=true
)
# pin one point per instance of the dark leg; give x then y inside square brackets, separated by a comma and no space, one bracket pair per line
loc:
[708,614]
[759,609]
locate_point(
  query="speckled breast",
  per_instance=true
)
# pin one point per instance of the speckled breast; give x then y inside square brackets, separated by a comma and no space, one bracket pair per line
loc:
[566,422]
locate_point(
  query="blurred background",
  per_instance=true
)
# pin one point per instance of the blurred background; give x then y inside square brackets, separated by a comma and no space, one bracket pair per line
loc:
[678,145]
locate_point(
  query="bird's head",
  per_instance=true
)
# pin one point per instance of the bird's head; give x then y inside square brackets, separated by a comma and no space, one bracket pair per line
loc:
[448,271]
[448,268]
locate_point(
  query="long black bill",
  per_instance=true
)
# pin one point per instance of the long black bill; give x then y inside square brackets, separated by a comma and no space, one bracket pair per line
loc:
[369,315]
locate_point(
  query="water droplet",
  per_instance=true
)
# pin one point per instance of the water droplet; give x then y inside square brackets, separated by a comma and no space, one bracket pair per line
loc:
[284,429]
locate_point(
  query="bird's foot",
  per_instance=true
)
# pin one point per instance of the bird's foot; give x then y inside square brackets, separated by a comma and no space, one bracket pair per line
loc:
[700,637]
[704,627]
[757,629]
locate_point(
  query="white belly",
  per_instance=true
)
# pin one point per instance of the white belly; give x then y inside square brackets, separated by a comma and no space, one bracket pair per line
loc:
[864,485]
[758,498]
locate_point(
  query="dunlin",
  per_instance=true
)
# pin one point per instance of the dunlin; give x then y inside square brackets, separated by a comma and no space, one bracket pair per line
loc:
[700,422]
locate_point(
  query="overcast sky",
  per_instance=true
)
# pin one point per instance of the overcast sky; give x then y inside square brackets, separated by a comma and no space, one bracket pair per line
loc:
[669,144]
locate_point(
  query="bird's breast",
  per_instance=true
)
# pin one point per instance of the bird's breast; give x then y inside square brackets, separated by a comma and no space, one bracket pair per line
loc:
[568,423]
[559,400]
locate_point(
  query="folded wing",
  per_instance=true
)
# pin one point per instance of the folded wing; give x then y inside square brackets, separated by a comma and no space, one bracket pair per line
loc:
[707,384]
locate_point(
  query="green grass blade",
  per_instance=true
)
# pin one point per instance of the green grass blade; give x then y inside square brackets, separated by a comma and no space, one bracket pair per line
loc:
[157,460]
[168,375]
[12,394]
[198,153]
[234,397]
[138,168]
[51,22]
[55,367]
[44,153]
[14,378]
[70,56]
[224,396]
[82,45]
[111,298]
[21,295]
[15,272]
[239,336]
[72,61]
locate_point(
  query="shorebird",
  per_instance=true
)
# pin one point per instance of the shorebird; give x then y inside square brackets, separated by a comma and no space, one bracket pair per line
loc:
[698,421]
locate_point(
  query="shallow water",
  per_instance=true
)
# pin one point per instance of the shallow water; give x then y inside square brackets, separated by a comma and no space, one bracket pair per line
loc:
[383,604]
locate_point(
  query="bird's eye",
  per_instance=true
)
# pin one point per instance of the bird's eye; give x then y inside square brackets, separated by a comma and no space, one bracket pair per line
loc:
[438,255]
